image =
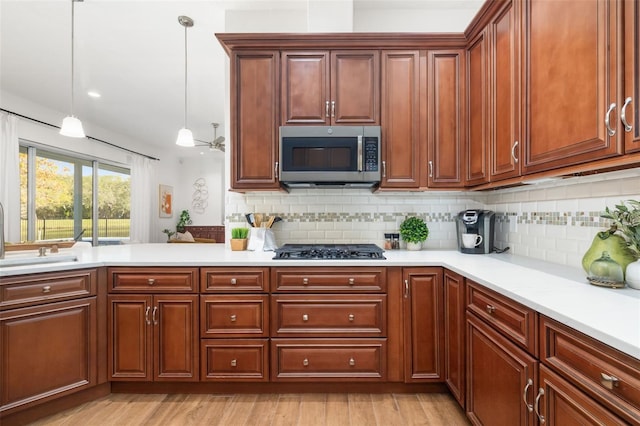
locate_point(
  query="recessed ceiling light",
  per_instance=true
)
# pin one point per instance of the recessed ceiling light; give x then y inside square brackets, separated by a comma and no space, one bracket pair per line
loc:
[94,94]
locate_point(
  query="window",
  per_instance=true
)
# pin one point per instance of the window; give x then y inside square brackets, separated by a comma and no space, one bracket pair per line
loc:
[58,192]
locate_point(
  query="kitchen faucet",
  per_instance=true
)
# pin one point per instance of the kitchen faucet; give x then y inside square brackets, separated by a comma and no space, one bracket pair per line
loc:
[1,232]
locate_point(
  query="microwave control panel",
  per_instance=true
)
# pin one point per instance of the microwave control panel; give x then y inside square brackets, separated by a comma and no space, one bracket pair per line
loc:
[371,154]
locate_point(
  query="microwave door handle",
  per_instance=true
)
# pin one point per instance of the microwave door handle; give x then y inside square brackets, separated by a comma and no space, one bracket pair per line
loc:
[359,153]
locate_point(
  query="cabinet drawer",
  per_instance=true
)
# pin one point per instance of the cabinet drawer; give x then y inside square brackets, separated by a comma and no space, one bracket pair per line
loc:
[328,359]
[512,319]
[35,289]
[326,315]
[322,280]
[607,375]
[153,280]
[233,280]
[234,315]
[234,360]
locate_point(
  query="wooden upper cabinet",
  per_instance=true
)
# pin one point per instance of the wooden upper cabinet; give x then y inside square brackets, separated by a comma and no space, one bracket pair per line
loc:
[400,120]
[445,121]
[477,140]
[505,69]
[255,79]
[631,93]
[571,82]
[331,87]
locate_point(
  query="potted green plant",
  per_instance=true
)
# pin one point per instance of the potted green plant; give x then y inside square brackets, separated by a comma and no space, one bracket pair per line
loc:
[414,231]
[239,238]
[169,234]
[185,219]
[625,218]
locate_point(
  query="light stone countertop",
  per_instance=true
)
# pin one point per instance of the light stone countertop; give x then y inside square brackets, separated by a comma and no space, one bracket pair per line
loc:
[562,293]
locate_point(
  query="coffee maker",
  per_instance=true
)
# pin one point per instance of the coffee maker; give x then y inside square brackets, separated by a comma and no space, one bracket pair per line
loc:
[475,230]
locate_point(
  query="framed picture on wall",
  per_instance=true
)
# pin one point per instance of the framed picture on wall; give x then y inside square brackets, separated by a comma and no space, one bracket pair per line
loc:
[166,201]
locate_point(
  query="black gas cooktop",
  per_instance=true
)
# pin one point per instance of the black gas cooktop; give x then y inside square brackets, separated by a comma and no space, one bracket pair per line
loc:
[329,251]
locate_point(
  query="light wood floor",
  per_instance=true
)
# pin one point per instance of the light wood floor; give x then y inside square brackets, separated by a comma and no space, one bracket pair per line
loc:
[265,409]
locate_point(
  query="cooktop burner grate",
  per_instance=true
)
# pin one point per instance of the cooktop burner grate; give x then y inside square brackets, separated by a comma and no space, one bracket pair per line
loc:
[329,251]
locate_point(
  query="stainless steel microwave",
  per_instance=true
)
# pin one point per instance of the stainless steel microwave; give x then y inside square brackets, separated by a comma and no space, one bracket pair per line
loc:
[329,156]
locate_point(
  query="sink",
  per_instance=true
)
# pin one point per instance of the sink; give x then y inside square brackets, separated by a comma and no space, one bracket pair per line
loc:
[32,259]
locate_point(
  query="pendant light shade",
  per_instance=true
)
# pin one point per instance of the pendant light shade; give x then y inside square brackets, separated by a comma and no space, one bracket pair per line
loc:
[72,126]
[185,137]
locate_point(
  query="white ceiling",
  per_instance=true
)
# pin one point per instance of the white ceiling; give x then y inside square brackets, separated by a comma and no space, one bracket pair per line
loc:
[132,52]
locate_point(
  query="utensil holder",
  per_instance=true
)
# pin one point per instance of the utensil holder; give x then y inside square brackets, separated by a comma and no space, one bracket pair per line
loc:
[261,239]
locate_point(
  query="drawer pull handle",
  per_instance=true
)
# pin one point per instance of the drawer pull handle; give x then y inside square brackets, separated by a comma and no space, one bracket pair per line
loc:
[233,281]
[352,281]
[46,289]
[233,318]
[305,317]
[146,315]
[490,309]
[608,381]
[151,281]
[351,317]
[305,362]
[524,395]
[153,315]
[537,405]
[352,362]
[234,363]
[305,281]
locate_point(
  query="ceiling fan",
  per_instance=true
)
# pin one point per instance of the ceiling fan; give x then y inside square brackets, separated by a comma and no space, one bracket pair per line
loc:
[216,143]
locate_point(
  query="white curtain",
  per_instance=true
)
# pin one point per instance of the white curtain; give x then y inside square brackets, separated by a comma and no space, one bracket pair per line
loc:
[144,209]
[10,176]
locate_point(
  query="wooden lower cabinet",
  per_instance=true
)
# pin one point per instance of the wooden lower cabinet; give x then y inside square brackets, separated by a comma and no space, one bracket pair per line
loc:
[423,318]
[561,403]
[454,306]
[500,377]
[153,338]
[47,351]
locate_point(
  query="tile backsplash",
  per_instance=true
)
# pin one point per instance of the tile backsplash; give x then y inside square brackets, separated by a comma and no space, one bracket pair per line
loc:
[554,221]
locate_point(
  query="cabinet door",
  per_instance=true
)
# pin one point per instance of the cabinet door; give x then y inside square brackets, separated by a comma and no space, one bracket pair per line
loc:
[571,82]
[454,334]
[400,119]
[477,140]
[355,87]
[423,324]
[176,338]
[305,88]
[47,351]
[506,142]
[445,122]
[130,337]
[255,77]
[498,374]
[561,403]
[631,92]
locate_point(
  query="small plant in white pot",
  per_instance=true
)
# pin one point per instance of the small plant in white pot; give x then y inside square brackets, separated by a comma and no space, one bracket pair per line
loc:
[239,238]
[414,231]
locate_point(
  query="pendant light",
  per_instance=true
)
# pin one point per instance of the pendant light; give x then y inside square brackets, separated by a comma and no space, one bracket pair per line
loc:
[185,137]
[72,126]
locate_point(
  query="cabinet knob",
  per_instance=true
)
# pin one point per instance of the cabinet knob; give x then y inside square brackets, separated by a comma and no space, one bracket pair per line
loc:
[305,362]
[490,309]
[609,381]
[352,281]
[46,289]
[351,317]
[233,318]
[234,363]
[352,362]
[305,317]
[234,281]
[151,281]
[305,281]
